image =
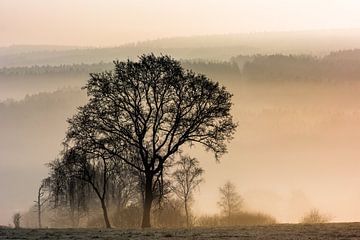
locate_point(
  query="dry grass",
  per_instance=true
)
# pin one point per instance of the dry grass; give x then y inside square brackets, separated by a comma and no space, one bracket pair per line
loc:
[278,231]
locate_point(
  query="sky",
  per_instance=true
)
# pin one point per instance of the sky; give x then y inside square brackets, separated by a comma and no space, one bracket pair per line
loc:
[114,22]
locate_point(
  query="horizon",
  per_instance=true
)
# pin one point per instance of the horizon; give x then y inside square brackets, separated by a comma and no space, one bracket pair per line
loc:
[182,37]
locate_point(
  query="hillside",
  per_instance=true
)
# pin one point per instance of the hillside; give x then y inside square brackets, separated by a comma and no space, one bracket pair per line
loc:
[335,67]
[212,47]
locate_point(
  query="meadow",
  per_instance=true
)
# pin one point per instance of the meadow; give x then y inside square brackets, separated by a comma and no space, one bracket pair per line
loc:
[278,231]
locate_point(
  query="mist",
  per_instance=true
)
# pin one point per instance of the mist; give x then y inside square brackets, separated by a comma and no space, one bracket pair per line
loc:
[295,86]
[295,148]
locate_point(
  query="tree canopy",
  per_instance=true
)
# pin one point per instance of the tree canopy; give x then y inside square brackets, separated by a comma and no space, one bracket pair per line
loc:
[142,113]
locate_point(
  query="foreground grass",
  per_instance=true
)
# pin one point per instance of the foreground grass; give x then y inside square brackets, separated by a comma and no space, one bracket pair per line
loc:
[278,231]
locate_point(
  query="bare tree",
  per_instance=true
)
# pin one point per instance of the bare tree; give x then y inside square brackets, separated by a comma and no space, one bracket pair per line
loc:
[42,198]
[230,201]
[149,110]
[16,220]
[186,178]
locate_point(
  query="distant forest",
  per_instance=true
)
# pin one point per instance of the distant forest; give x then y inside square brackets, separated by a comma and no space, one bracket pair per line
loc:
[210,47]
[340,65]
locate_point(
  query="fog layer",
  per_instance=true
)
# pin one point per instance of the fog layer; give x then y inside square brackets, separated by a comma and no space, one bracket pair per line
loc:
[296,145]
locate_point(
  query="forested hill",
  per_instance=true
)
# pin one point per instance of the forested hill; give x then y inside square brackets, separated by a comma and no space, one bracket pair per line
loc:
[18,49]
[16,82]
[95,55]
[339,65]
[212,47]
[209,67]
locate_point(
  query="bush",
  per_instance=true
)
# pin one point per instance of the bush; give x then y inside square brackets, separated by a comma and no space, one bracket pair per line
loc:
[4,227]
[209,221]
[169,214]
[314,216]
[247,218]
[128,217]
[238,219]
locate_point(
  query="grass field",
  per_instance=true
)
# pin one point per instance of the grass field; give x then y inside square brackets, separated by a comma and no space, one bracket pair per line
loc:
[280,231]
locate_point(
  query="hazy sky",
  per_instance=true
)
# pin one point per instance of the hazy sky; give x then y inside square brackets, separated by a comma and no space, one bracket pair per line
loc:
[113,22]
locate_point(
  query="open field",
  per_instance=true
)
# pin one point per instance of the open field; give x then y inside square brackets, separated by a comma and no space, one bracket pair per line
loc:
[279,231]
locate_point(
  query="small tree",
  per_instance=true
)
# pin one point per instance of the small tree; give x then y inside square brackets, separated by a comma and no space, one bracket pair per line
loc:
[230,201]
[69,194]
[42,198]
[82,178]
[16,220]
[94,168]
[185,179]
[314,216]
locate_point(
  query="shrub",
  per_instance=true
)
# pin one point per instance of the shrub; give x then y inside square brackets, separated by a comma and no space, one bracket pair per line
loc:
[16,220]
[238,219]
[128,217]
[314,216]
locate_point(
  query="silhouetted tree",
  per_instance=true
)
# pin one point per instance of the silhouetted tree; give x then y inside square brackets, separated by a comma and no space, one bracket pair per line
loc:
[42,198]
[16,220]
[230,201]
[91,166]
[149,110]
[186,178]
[67,191]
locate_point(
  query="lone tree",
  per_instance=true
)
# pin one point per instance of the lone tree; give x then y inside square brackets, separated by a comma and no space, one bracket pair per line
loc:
[149,110]
[230,201]
[186,178]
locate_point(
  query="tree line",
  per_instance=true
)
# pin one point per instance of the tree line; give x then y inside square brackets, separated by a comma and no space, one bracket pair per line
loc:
[202,66]
[340,65]
[336,66]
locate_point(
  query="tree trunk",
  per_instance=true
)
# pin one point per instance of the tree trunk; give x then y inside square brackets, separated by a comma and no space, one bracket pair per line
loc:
[187,214]
[39,215]
[39,207]
[147,202]
[106,218]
